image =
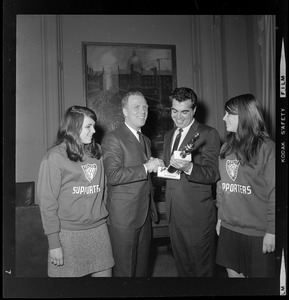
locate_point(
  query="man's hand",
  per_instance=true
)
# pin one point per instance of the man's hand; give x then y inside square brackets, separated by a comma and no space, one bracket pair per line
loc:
[218,227]
[153,163]
[182,165]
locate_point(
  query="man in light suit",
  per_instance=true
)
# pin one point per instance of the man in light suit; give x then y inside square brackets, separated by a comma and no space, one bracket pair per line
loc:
[190,206]
[130,203]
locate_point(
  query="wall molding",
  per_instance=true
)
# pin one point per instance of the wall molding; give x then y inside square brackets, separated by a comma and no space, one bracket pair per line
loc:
[207,65]
[52,76]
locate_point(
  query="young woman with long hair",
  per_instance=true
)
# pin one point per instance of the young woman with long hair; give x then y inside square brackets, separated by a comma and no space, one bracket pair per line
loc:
[246,192]
[71,191]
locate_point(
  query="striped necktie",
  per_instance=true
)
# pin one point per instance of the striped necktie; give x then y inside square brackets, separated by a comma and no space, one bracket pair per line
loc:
[142,142]
[177,140]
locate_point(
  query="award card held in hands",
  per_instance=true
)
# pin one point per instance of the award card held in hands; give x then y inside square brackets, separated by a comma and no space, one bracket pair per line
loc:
[185,154]
[163,172]
[173,174]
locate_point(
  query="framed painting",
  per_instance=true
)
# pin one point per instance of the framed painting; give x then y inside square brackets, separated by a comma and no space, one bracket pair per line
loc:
[110,70]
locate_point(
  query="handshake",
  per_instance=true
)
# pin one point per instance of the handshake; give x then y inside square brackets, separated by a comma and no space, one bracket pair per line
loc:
[153,163]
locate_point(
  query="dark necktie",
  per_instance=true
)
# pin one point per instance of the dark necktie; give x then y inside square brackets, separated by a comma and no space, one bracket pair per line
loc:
[142,142]
[177,141]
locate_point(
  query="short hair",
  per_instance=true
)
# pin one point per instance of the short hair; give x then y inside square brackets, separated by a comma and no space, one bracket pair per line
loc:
[127,95]
[69,133]
[182,94]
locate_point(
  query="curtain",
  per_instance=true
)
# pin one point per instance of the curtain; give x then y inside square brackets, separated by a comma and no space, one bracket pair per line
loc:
[267,42]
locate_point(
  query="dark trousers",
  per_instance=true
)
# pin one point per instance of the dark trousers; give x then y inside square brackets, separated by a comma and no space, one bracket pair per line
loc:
[194,249]
[131,249]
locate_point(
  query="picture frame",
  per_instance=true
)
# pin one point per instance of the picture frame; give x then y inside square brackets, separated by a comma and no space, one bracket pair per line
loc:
[110,70]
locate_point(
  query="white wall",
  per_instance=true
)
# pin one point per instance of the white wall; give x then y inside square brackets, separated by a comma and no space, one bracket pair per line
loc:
[29,95]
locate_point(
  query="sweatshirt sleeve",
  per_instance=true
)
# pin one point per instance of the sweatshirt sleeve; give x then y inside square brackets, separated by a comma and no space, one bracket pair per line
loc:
[269,175]
[48,187]
[219,198]
[104,186]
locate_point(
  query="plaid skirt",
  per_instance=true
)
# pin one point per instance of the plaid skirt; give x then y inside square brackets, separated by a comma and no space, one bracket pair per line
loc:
[243,254]
[85,252]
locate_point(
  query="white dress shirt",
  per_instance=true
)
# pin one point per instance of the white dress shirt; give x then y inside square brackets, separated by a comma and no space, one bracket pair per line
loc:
[184,133]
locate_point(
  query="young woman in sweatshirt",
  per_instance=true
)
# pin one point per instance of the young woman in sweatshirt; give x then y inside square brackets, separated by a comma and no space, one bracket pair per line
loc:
[71,191]
[246,192]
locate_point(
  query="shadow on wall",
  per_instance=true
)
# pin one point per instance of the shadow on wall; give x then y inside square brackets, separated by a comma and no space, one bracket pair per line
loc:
[201,112]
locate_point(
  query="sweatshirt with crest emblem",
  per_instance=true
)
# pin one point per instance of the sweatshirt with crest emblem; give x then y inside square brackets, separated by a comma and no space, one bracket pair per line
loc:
[71,195]
[246,195]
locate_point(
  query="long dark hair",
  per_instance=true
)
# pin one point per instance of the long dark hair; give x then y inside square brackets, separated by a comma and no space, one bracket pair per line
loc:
[251,131]
[69,133]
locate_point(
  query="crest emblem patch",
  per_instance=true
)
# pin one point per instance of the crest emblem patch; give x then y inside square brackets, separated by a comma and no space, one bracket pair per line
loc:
[89,171]
[232,167]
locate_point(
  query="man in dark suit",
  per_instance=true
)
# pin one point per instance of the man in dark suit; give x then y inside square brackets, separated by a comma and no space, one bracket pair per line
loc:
[190,206]
[128,164]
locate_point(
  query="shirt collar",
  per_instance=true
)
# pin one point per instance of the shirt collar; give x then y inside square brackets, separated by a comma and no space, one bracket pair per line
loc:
[185,129]
[132,130]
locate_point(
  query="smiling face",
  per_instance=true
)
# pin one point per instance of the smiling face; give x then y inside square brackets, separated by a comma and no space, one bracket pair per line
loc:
[182,113]
[136,111]
[87,130]
[231,121]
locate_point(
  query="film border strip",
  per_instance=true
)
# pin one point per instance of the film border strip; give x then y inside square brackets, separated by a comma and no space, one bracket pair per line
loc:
[282,164]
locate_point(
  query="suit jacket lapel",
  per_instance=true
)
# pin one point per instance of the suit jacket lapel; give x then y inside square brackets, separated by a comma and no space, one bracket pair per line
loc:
[169,138]
[191,133]
[130,136]
[132,139]
[148,149]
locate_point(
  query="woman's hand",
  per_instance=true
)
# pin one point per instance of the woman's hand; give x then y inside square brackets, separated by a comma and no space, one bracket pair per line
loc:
[269,243]
[56,256]
[218,227]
